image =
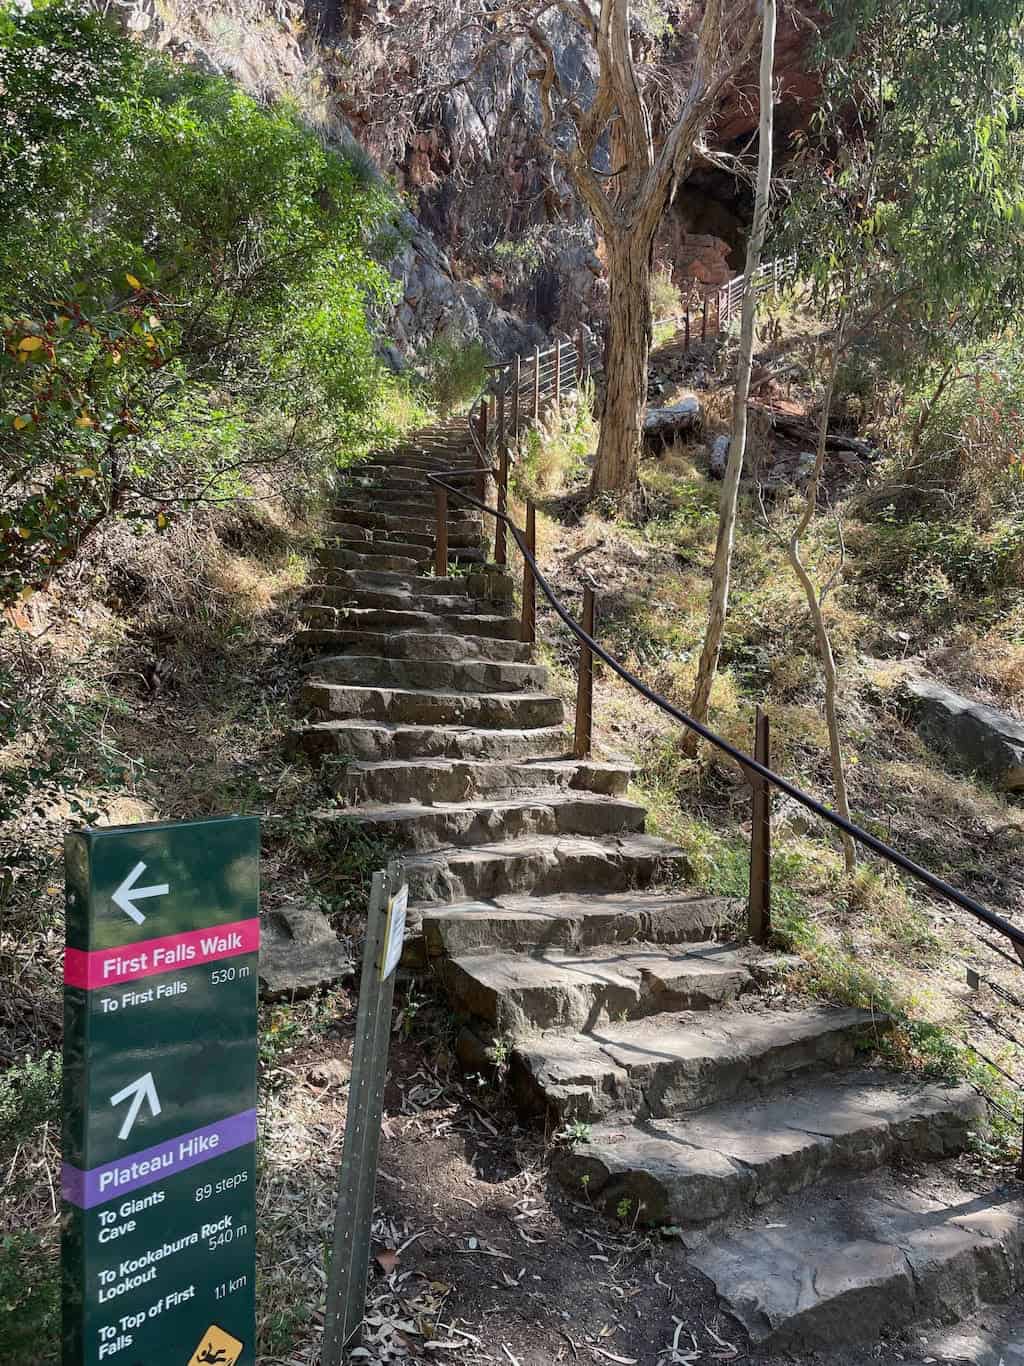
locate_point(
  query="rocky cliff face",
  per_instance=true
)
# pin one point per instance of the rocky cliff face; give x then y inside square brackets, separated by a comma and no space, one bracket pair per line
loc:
[493,234]
[270,48]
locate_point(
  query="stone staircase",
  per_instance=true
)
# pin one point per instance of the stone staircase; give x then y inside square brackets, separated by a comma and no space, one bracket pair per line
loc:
[618,1001]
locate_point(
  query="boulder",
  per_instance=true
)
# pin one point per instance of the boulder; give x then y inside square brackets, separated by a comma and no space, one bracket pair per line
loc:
[982,738]
[299,952]
[662,426]
[718,456]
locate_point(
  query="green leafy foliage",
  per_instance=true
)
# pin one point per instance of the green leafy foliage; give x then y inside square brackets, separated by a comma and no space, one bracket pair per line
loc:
[455,371]
[909,210]
[184,281]
[29,1300]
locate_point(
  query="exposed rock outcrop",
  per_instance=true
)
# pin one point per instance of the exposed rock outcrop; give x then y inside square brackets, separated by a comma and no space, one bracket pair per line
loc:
[981,738]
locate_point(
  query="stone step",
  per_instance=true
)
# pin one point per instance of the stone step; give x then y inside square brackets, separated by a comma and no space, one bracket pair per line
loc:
[449,780]
[411,487]
[671,1064]
[419,506]
[872,1255]
[422,460]
[330,595]
[525,923]
[414,506]
[402,468]
[544,865]
[462,528]
[419,584]
[342,558]
[421,533]
[387,619]
[517,994]
[423,707]
[463,675]
[422,827]
[731,1157]
[420,554]
[361,739]
[416,645]
[488,584]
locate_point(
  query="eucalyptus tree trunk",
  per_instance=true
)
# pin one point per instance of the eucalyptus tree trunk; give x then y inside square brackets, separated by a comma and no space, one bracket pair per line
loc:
[627,351]
[729,499]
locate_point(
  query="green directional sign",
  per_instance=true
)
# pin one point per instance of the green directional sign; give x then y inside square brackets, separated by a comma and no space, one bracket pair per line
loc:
[159,1174]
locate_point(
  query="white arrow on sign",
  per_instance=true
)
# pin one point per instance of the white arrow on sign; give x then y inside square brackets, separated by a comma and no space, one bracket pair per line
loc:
[142,1090]
[127,894]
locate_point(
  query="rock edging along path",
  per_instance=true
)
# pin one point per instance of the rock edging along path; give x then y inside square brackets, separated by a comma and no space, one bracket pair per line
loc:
[567,936]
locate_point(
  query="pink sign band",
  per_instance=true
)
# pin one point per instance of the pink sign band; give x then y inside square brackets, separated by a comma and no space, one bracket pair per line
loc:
[129,962]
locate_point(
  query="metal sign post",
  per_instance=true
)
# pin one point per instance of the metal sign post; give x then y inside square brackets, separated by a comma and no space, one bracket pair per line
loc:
[350,1255]
[159,1102]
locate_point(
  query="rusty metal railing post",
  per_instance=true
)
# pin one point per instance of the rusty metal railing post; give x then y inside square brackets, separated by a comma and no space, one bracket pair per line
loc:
[585,684]
[481,478]
[558,373]
[500,530]
[528,625]
[536,384]
[440,532]
[517,381]
[759,917]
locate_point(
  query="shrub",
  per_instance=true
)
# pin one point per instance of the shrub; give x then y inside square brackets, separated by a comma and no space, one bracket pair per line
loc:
[455,371]
[29,1300]
[666,298]
[183,293]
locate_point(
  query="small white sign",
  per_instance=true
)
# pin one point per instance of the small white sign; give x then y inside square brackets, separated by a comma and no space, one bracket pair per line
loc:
[394,933]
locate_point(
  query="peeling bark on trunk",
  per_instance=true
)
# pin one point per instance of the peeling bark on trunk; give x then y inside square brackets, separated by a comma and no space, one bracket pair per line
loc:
[626,355]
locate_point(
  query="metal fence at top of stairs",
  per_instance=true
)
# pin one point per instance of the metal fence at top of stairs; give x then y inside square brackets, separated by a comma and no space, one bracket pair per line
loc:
[496,423]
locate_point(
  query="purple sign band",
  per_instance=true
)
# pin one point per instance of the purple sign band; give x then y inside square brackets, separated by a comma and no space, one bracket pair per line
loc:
[100,1184]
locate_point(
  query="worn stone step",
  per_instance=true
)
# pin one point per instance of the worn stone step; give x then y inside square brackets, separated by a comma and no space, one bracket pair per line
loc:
[419,584]
[403,468]
[461,528]
[420,554]
[410,487]
[419,505]
[870,1256]
[461,675]
[330,595]
[340,557]
[421,534]
[421,460]
[424,707]
[543,865]
[388,619]
[487,584]
[730,1157]
[361,739]
[450,780]
[525,923]
[557,989]
[669,1065]
[416,645]
[422,827]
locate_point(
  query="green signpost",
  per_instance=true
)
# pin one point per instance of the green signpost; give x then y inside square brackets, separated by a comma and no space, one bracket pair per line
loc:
[159,1175]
